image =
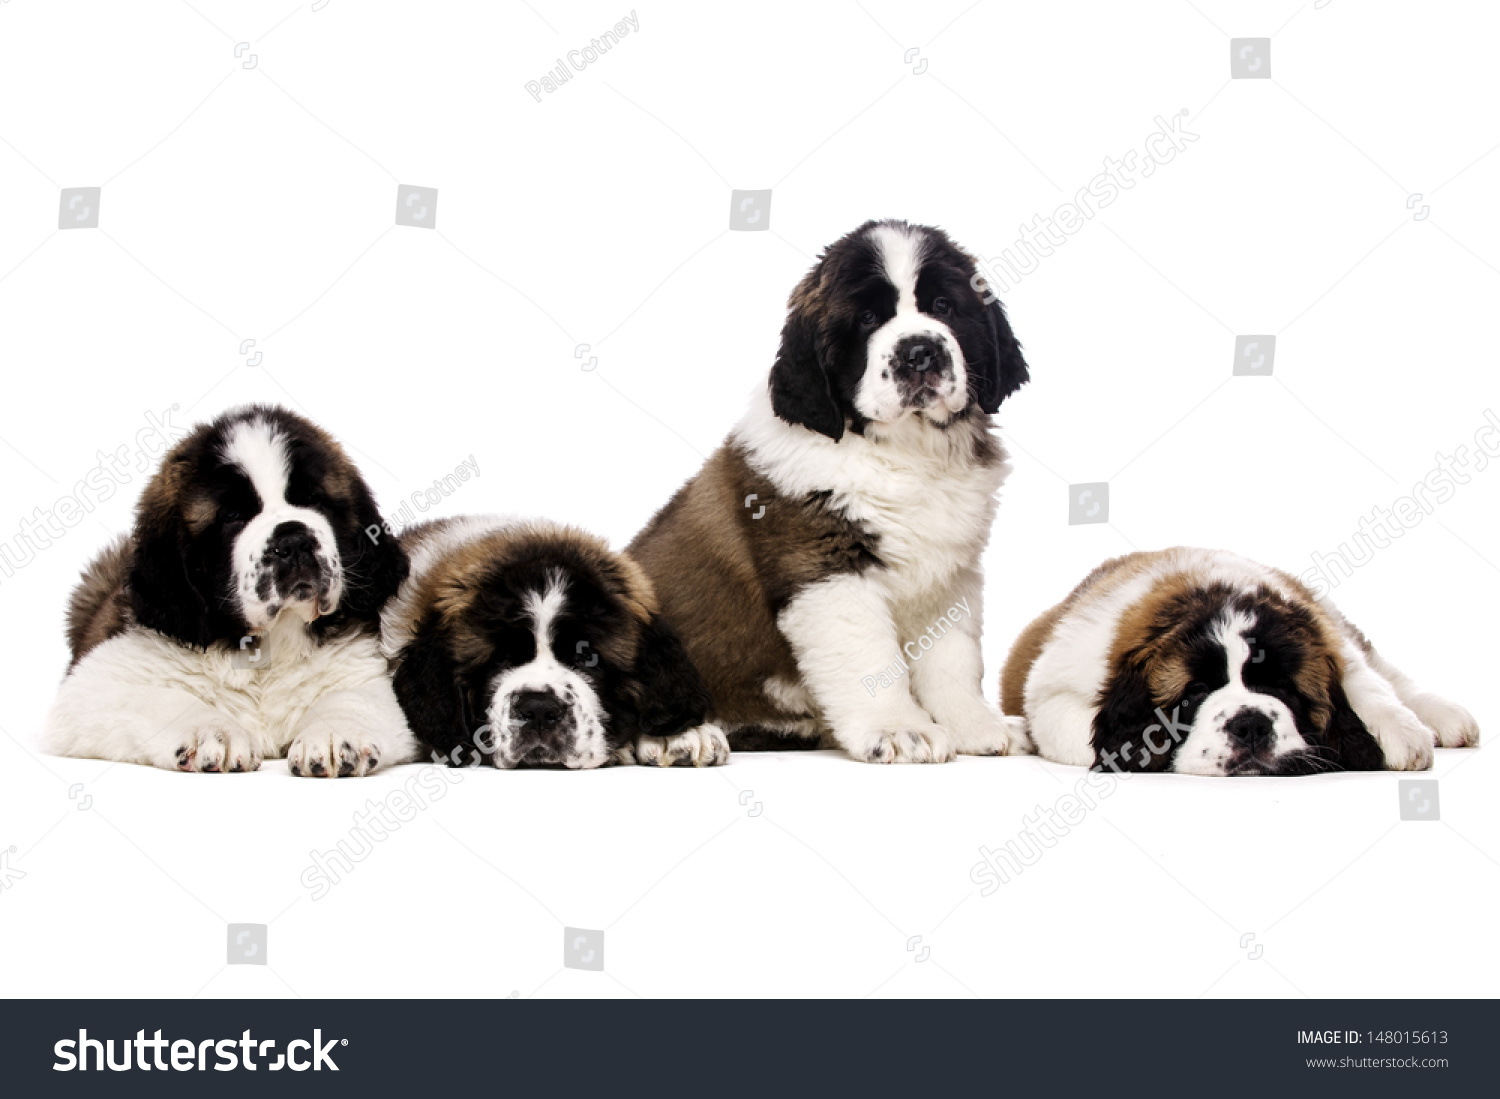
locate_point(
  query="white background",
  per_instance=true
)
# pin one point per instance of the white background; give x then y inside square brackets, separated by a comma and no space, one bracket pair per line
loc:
[258,204]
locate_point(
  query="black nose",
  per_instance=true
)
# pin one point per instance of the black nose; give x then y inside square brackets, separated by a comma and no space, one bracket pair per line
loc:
[921,355]
[1252,728]
[293,542]
[539,710]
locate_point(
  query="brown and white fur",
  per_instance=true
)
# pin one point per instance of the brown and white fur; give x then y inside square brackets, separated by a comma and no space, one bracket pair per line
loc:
[846,513]
[525,643]
[239,620]
[1204,662]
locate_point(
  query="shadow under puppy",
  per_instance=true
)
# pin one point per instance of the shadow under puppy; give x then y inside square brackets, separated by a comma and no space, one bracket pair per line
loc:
[238,621]
[1203,662]
[529,643]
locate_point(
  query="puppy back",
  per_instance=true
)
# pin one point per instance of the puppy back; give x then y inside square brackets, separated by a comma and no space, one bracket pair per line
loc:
[99,607]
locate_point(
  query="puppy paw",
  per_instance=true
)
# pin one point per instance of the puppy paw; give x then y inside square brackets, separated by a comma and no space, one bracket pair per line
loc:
[333,748]
[215,747]
[1452,726]
[990,733]
[1405,741]
[705,746]
[919,744]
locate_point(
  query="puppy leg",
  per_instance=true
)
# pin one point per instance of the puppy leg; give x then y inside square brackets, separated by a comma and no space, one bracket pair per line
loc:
[1062,725]
[1452,726]
[108,708]
[842,635]
[352,732]
[1403,738]
[946,677]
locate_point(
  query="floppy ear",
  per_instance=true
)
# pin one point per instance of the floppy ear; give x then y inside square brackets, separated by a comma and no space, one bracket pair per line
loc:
[663,694]
[1349,741]
[1004,370]
[375,564]
[800,393]
[1126,711]
[170,587]
[432,698]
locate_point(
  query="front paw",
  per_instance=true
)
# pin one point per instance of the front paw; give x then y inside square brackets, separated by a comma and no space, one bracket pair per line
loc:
[917,744]
[1451,724]
[333,748]
[1404,740]
[215,746]
[705,746]
[988,732]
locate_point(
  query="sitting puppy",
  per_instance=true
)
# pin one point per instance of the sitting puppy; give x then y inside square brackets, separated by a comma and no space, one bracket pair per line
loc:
[823,567]
[1205,663]
[529,643]
[239,621]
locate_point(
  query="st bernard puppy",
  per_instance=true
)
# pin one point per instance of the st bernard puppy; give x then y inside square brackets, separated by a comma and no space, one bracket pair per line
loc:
[527,643]
[1205,663]
[239,621]
[823,568]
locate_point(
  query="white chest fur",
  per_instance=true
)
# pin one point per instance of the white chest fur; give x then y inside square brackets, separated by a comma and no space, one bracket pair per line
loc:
[916,487]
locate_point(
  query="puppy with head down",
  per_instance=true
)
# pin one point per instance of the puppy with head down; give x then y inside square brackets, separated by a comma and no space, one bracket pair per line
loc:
[527,643]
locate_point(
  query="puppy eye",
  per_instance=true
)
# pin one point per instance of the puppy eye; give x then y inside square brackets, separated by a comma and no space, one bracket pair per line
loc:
[868,318]
[1197,692]
[942,306]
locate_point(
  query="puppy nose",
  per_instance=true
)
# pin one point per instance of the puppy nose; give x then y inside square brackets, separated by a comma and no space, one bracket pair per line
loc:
[538,709]
[293,542]
[921,355]
[1252,728]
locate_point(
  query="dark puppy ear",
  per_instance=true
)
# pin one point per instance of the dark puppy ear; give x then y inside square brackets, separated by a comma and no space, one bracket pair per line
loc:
[1126,711]
[170,587]
[432,698]
[1350,745]
[800,391]
[374,562]
[663,694]
[1004,370]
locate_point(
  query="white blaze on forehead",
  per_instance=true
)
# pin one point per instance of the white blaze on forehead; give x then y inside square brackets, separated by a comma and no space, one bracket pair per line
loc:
[1229,631]
[260,453]
[545,672]
[543,608]
[901,255]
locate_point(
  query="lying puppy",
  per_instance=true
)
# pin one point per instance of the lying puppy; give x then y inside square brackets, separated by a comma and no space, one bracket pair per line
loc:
[238,622]
[841,523]
[529,643]
[1205,663]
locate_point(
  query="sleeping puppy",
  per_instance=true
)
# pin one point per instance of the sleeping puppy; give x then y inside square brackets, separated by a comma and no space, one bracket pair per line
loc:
[239,621]
[1205,663]
[526,643]
[823,567]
